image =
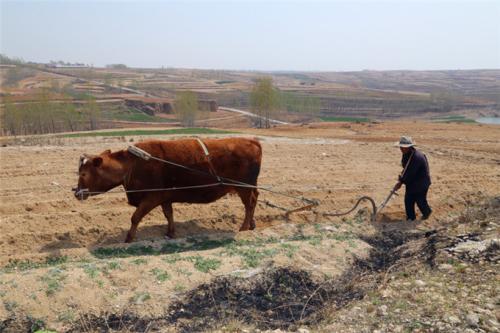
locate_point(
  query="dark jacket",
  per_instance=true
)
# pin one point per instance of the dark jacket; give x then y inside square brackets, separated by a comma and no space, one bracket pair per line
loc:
[417,177]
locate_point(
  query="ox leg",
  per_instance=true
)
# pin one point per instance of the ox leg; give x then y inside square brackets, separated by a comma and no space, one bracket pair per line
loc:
[141,211]
[169,214]
[249,199]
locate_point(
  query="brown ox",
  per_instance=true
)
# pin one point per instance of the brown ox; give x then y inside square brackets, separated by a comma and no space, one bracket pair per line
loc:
[238,159]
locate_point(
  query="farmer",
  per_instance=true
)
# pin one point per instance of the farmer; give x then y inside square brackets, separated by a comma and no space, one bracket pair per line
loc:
[416,177]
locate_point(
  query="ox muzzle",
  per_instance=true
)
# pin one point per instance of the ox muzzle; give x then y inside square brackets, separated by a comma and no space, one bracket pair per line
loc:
[81,193]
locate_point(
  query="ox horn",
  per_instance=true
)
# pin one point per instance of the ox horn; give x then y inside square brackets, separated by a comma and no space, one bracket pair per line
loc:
[83,159]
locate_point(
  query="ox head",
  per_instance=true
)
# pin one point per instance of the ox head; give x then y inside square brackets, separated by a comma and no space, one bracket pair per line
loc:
[97,173]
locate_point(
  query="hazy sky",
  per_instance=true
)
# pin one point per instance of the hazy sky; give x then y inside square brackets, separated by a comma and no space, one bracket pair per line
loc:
[256,35]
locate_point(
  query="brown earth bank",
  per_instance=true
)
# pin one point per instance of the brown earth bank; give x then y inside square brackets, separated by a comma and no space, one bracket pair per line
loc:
[64,266]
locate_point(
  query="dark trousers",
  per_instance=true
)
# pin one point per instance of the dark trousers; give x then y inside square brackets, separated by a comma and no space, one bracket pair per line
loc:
[420,198]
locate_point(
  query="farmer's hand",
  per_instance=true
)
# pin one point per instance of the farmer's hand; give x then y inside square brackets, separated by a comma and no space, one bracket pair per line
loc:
[397,186]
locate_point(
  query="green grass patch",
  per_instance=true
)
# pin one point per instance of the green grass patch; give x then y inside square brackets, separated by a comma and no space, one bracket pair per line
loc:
[453,119]
[24,265]
[251,256]
[346,119]
[168,248]
[175,131]
[127,114]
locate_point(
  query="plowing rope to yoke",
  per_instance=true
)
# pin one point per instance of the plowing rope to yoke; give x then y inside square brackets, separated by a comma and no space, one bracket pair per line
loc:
[223,181]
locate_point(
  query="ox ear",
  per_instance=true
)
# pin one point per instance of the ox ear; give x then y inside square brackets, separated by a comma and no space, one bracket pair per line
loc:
[106,152]
[97,161]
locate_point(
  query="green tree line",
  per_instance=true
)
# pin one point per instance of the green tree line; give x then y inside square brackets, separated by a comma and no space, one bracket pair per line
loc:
[44,116]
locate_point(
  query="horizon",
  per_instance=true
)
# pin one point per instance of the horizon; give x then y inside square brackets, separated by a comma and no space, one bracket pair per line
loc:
[256,36]
[252,70]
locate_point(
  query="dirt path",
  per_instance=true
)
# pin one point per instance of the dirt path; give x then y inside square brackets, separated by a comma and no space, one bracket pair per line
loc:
[252,115]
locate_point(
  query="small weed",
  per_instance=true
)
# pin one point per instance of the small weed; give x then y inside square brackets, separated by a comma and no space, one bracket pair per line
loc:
[112,265]
[160,275]
[460,268]
[53,279]
[340,237]
[10,305]
[206,265]
[252,257]
[172,258]
[91,270]
[66,317]
[183,271]
[352,244]
[201,264]
[141,297]
[358,219]
[179,287]
[139,261]
[315,241]
[38,325]
[289,249]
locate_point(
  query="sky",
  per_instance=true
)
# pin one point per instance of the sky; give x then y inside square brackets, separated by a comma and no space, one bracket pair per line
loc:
[256,35]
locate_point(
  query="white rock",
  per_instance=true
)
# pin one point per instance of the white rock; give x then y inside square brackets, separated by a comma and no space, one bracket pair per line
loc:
[445,267]
[420,283]
[382,310]
[472,319]
[453,320]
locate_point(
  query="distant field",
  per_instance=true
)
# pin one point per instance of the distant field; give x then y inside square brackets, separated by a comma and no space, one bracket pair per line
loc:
[346,119]
[123,113]
[187,131]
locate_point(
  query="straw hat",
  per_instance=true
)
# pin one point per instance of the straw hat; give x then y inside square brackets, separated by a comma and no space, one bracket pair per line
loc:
[405,142]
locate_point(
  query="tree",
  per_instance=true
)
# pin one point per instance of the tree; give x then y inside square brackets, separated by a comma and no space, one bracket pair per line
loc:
[264,99]
[92,112]
[186,108]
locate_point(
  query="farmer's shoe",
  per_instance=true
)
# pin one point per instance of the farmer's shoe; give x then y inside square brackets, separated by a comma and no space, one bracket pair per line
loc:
[426,216]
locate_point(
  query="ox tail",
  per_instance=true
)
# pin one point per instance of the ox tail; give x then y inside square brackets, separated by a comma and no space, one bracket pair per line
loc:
[253,173]
[254,170]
